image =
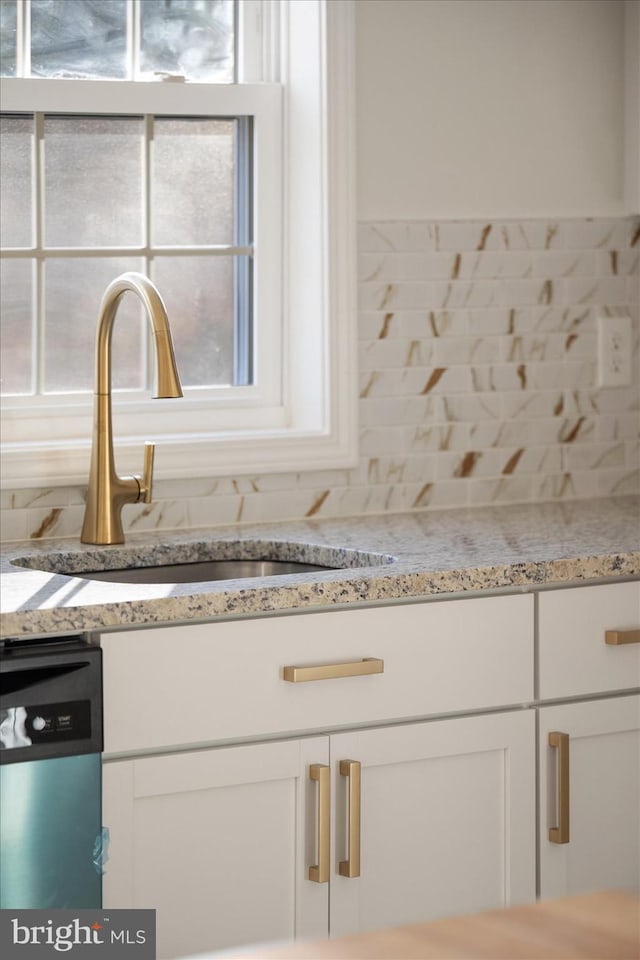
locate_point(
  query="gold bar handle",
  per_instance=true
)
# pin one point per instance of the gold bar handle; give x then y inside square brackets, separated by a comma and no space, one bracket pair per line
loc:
[322,774]
[331,671]
[560,741]
[351,867]
[617,637]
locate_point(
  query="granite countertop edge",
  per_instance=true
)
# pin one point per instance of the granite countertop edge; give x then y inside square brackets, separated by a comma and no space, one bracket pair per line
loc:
[413,556]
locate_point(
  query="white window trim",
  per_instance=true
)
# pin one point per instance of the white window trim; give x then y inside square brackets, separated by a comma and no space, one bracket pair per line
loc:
[316,425]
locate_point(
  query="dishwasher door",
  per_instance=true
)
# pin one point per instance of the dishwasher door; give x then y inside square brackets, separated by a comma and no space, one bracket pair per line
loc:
[50,775]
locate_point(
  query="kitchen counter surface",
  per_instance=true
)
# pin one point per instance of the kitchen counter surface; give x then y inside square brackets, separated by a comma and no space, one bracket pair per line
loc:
[596,926]
[406,556]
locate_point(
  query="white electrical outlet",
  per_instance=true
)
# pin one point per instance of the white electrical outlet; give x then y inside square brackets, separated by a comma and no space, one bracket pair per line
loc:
[614,351]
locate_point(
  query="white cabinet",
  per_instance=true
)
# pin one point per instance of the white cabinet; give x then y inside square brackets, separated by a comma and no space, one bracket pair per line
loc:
[447,820]
[590,749]
[440,657]
[601,849]
[220,841]
[574,658]
[430,804]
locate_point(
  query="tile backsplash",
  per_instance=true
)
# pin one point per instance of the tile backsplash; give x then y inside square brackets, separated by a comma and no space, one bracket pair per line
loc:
[478,384]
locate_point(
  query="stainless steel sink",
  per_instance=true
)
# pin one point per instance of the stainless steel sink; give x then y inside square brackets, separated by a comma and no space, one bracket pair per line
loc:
[201,571]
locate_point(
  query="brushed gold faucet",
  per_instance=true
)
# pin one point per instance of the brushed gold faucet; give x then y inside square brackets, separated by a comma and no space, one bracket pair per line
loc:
[107,492]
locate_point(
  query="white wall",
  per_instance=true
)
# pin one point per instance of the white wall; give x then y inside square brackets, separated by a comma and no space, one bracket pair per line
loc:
[632,105]
[490,108]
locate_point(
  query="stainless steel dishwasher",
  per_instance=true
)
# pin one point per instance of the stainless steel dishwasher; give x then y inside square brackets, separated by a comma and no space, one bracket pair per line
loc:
[50,774]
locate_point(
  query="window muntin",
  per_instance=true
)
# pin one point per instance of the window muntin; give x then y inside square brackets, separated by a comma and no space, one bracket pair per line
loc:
[151,187]
[166,196]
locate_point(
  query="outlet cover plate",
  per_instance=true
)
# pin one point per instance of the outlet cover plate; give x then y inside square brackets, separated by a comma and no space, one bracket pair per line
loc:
[614,351]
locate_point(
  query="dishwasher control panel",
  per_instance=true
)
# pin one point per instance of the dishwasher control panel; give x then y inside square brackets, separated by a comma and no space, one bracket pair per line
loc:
[22,726]
[50,699]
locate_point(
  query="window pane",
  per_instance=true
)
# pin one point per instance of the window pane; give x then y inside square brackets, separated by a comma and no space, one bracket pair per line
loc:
[16,163]
[93,181]
[8,34]
[73,292]
[193,38]
[192,181]
[79,38]
[198,293]
[16,325]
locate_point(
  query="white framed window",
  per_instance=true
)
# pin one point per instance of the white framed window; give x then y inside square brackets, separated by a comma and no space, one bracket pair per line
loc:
[289,403]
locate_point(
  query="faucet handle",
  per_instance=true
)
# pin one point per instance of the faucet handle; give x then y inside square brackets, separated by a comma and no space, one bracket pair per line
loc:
[146,482]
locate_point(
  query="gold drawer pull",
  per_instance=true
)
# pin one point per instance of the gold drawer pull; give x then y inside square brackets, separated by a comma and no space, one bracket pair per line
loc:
[617,637]
[322,773]
[331,671]
[351,867]
[560,741]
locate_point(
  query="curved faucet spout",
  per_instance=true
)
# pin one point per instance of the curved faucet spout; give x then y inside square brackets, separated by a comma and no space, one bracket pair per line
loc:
[107,492]
[167,382]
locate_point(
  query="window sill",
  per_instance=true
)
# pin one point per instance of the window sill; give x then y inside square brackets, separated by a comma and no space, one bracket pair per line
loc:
[245,453]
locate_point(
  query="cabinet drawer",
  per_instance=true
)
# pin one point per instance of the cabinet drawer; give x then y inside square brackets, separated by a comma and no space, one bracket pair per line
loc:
[574,658]
[207,683]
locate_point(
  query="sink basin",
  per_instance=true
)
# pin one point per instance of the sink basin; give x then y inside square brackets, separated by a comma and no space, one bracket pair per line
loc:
[201,571]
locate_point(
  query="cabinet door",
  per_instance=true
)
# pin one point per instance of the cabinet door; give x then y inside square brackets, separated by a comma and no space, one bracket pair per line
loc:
[603,848]
[219,842]
[447,820]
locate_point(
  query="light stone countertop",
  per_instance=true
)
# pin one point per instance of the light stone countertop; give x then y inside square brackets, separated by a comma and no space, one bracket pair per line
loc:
[406,556]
